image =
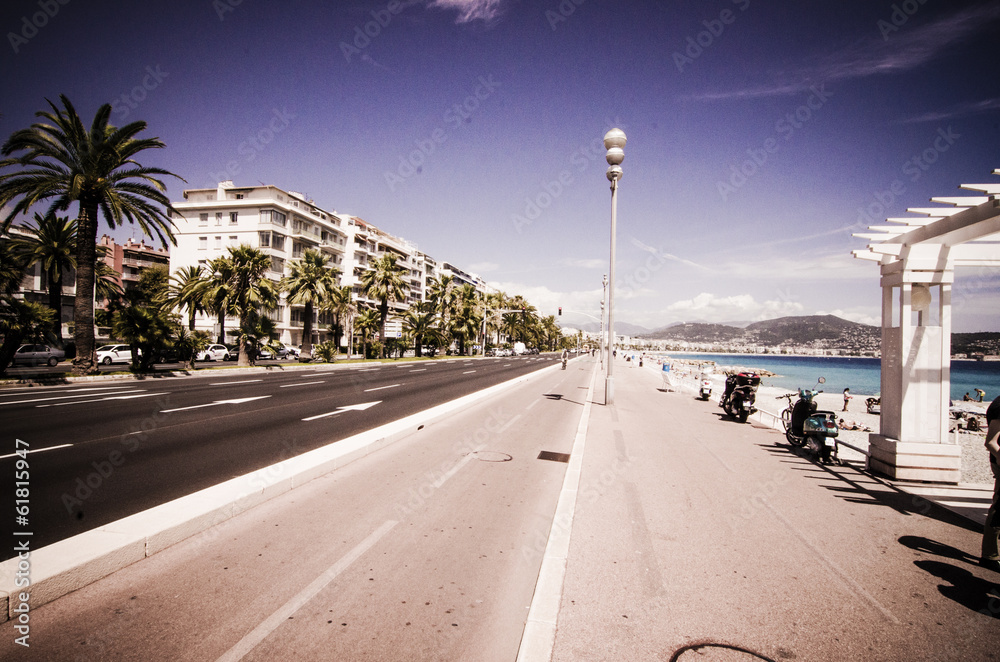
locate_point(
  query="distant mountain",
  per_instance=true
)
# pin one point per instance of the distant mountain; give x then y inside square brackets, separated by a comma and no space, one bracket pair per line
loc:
[819,331]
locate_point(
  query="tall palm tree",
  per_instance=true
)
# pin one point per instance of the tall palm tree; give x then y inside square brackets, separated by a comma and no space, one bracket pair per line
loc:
[367,322]
[250,292]
[309,283]
[218,292]
[442,295]
[384,283]
[343,311]
[187,289]
[60,160]
[51,243]
[420,323]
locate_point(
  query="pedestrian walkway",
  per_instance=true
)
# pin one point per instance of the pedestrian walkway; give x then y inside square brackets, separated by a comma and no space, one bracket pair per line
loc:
[694,533]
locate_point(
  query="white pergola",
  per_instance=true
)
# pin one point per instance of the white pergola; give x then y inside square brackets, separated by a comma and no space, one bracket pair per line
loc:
[917,257]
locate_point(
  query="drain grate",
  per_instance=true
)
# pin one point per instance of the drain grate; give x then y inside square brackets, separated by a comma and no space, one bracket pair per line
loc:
[554,457]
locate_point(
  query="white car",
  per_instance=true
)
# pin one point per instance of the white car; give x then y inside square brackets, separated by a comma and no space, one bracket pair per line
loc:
[108,354]
[214,353]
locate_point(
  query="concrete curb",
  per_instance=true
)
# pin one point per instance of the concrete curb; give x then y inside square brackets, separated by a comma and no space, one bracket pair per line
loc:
[539,637]
[73,563]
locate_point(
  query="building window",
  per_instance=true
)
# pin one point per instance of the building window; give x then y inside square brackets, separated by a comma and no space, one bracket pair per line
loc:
[277,265]
[265,239]
[203,243]
[239,196]
[218,243]
[277,242]
[234,240]
[233,218]
[203,219]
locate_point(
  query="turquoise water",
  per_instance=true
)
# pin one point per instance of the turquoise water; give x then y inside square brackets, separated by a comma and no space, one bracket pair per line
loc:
[861,375]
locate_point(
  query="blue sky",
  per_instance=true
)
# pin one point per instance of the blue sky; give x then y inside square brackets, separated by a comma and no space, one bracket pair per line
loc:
[473,129]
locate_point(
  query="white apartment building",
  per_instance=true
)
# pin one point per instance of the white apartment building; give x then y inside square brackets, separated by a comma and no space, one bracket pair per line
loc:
[283,224]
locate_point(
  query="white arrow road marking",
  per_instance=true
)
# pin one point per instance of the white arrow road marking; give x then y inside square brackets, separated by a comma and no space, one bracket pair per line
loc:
[379,388]
[341,410]
[236,401]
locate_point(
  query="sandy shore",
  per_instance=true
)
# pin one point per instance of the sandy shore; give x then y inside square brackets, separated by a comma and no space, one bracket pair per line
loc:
[975,461]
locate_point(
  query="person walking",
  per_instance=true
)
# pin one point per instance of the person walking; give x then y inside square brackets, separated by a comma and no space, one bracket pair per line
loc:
[847,397]
[991,529]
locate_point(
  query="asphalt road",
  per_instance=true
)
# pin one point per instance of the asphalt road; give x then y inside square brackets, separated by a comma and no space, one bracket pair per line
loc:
[425,550]
[103,450]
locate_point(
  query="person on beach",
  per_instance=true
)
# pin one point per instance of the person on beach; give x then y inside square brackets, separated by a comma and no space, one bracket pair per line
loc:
[991,529]
[967,397]
[847,397]
[981,393]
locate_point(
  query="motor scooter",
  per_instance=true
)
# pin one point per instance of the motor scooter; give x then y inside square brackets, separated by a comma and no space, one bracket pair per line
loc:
[741,394]
[705,392]
[816,429]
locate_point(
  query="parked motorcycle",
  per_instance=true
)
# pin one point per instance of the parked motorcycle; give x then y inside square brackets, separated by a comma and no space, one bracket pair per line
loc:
[816,429]
[740,395]
[705,392]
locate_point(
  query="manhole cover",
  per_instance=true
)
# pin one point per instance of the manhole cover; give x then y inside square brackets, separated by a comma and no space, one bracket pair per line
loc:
[491,456]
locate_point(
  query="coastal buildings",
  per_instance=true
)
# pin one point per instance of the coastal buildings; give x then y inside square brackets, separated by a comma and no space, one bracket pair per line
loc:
[284,224]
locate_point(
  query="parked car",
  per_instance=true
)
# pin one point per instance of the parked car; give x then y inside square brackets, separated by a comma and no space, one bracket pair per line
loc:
[36,354]
[167,355]
[214,353]
[108,354]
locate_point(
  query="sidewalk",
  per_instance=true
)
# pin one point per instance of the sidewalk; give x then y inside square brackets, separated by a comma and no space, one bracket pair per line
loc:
[694,532]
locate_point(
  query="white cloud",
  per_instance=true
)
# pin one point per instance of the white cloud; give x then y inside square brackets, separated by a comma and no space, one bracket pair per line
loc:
[584,263]
[854,316]
[712,308]
[471,10]
[483,267]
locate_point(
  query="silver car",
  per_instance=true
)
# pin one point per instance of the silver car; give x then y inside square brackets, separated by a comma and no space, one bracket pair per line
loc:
[37,354]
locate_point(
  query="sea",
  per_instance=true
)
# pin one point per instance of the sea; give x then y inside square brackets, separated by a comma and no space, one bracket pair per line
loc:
[861,375]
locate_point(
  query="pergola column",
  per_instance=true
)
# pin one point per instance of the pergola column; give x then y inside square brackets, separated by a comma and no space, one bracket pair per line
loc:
[913,441]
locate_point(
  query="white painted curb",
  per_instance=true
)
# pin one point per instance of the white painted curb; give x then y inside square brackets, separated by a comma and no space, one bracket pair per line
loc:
[69,564]
[539,635]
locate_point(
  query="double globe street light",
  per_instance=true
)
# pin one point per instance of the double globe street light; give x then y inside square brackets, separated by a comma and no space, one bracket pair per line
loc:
[614,142]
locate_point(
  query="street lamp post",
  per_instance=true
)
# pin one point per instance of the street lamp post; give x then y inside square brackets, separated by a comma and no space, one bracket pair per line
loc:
[600,338]
[614,142]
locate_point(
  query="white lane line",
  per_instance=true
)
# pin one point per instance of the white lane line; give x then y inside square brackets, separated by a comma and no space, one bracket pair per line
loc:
[109,397]
[368,370]
[420,370]
[62,389]
[451,472]
[62,397]
[506,365]
[37,450]
[379,388]
[468,372]
[272,622]
[248,381]
[302,384]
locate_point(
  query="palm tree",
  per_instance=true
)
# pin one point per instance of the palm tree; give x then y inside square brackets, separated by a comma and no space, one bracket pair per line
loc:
[189,343]
[218,292]
[310,283]
[367,322]
[63,162]
[250,292]
[146,329]
[442,295]
[187,289]
[419,322]
[19,319]
[51,242]
[382,283]
[343,310]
